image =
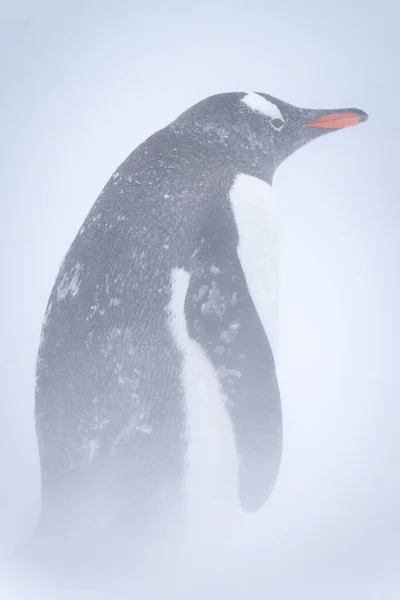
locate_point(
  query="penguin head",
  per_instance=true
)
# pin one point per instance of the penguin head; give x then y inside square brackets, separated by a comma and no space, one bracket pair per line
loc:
[256,132]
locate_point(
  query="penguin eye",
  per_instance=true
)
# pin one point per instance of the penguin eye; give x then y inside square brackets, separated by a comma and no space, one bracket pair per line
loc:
[277,124]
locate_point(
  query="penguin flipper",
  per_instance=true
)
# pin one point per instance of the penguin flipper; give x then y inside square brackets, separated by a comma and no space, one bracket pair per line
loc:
[222,318]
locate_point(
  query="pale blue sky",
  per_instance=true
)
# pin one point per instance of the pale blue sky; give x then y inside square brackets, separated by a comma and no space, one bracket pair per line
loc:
[82,84]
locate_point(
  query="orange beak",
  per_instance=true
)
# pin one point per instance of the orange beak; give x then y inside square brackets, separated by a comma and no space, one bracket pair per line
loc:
[337,120]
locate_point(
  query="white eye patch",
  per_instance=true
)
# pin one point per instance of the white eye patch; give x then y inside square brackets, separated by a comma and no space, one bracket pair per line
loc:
[262,105]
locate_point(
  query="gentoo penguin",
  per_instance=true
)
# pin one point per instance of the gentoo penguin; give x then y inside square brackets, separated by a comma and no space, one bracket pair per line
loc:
[155,376]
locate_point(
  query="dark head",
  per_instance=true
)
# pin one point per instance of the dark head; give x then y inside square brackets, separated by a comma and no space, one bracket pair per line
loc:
[256,132]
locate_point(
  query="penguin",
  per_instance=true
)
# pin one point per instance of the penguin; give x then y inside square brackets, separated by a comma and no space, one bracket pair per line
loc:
[156,382]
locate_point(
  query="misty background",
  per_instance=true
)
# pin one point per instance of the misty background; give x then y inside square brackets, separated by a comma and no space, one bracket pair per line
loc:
[82,84]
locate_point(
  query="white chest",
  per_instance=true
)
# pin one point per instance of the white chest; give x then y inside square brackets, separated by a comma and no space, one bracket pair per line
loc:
[256,219]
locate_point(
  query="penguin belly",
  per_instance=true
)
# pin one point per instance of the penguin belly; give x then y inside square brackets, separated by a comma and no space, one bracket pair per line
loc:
[211,480]
[256,219]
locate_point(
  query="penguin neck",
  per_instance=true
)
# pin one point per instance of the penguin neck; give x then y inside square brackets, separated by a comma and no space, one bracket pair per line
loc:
[220,146]
[216,146]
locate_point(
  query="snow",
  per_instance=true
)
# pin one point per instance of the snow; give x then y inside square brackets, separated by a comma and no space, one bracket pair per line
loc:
[69,283]
[262,105]
[93,447]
